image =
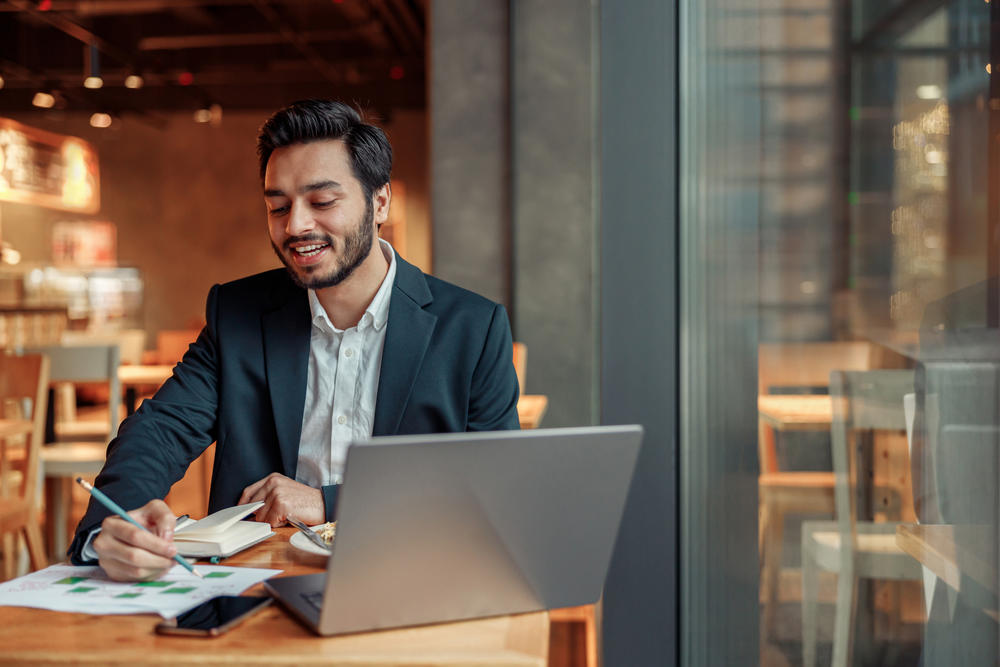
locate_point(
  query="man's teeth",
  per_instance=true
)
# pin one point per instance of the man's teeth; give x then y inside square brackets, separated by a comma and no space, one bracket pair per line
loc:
[309,249]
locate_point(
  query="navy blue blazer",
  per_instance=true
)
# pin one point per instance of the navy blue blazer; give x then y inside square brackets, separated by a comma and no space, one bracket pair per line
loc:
[446,366]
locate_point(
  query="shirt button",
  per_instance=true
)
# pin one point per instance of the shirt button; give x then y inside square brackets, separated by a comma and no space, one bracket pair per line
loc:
[349,352]
[341,419]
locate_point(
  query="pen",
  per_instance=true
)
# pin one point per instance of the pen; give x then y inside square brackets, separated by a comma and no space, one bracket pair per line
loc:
[114,507]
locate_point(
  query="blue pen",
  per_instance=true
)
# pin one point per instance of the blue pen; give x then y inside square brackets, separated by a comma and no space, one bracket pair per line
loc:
[114,507]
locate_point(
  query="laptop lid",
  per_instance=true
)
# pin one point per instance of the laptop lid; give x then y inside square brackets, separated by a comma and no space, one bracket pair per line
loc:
[434,528]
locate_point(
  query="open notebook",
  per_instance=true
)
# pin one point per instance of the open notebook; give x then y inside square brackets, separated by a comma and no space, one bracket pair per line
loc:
[222,533]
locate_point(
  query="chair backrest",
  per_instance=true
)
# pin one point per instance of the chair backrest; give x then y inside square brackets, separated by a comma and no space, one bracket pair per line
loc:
[862,401]
[520,363]
[131,342]
[24,383]
[802,365]
[87,363]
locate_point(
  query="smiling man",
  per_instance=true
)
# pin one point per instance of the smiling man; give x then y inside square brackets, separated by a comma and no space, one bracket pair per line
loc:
[348,341]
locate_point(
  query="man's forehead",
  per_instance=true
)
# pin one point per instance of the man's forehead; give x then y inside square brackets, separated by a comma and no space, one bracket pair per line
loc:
[320,161]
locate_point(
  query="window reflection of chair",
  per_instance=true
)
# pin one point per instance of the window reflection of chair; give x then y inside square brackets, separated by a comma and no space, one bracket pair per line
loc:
[783,366]
[61,461]
[24,385]
[862,401]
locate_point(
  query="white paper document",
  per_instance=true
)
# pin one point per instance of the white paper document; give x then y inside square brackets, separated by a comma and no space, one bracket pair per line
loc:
[87,590]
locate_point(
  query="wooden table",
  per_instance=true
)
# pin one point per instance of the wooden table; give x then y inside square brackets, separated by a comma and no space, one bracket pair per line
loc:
[799,412]
[273,637]
[531,408]
[134,376]
[955,554]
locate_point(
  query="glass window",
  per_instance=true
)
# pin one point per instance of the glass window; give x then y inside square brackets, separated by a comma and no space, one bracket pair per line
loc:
[855,143]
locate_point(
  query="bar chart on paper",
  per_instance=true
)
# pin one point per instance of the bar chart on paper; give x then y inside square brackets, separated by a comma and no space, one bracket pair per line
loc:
[88,590]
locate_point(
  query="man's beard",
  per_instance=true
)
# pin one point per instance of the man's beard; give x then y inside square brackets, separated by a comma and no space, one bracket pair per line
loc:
[357,246]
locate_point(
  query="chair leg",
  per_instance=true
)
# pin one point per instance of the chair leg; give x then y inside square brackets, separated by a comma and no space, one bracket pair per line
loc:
[772,566]
[843,629]
[58,497]
[36,545]
[590,637]
[810,601]
[9,555]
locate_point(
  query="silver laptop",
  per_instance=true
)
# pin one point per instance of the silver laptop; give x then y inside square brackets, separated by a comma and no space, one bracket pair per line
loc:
[434,528]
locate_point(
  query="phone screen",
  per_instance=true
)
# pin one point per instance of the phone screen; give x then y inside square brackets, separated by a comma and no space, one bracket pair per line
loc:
[219,611]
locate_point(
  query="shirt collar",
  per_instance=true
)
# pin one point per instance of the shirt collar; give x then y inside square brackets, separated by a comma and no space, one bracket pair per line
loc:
[377,312]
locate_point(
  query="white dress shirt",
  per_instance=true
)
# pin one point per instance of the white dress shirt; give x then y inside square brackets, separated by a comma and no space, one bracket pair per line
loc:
[342,384]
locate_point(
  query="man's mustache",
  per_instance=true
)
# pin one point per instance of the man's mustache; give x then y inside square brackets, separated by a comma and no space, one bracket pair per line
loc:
[307,238]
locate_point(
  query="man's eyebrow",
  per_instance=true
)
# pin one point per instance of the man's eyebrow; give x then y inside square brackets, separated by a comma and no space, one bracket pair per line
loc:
[321,185]
[311,187]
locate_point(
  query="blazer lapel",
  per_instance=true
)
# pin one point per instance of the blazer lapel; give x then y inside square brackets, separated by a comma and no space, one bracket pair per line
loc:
[407,335]
[286,356]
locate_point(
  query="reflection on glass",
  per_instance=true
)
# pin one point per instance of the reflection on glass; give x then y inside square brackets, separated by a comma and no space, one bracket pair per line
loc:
[878,484]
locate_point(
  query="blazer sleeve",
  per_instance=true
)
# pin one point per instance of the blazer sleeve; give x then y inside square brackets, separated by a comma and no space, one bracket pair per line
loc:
[156,444]
[494,391]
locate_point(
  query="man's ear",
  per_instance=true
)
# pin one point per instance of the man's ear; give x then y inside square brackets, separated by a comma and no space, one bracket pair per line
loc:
[380,203]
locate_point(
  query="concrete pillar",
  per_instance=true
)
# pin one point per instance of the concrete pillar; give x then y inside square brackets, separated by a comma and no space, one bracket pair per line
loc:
[514,188]
[555,200]
[470,145]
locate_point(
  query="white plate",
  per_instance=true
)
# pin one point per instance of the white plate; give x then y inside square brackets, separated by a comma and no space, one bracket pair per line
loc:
[300,541]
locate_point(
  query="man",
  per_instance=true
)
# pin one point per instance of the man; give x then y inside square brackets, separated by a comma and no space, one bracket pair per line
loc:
[348,341]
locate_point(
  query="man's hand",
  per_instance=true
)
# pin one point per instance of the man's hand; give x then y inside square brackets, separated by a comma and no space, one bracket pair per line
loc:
[128,553]
[282,497]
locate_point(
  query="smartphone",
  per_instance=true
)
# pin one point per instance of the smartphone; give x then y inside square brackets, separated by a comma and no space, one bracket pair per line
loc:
[213,617]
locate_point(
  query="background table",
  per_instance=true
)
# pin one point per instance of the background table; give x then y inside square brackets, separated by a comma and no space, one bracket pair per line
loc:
[799,412]
[272,637]
[956,554]
[134,376]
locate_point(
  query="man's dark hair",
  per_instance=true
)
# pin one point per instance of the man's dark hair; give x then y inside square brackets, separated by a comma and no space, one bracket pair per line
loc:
[314,120]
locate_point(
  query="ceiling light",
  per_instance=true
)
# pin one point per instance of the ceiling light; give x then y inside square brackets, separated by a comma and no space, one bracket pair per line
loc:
[92,68]
[210,114]
[929,92]
[43,100]
[133,81]
[100,120]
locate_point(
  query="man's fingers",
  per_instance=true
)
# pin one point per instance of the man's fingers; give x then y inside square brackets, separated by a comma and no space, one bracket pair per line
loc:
[157,516]
[251,491]
[121,531]
[274,512]
[120,571]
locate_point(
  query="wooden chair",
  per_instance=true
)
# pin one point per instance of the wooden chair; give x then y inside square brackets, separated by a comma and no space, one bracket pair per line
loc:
[24,383]
[520,363]
[63,460]
[781,492]
[131,342]
[862,401]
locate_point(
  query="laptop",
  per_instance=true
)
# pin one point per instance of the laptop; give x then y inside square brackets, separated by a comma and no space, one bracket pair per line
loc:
[434,528]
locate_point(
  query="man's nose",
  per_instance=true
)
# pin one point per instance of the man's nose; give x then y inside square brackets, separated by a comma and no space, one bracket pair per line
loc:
[299,220]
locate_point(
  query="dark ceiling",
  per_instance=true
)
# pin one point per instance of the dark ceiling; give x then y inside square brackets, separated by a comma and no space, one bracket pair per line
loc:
[240,54]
